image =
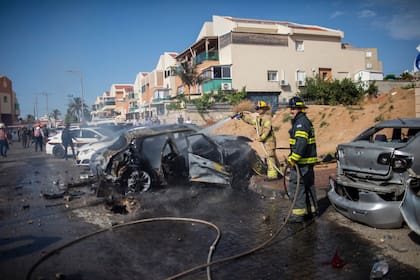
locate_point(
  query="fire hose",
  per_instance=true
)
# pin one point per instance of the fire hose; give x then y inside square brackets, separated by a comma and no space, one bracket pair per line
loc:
[212,248]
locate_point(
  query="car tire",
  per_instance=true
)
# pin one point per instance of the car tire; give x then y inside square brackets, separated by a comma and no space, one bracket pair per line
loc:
[138,181]
[58,151]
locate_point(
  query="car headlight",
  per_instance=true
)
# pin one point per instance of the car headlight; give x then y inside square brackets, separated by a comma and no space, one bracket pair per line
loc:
[401,164]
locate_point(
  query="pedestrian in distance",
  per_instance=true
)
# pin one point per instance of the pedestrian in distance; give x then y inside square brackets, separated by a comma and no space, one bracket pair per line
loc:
[262,121]
[38,138]
[4,141]
[25,136]
[67,140]
[302,158]
[180,119]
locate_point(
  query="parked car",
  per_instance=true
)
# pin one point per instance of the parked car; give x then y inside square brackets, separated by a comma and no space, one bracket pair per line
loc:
[83,136]
[154,156]
[377,176]
[85,152]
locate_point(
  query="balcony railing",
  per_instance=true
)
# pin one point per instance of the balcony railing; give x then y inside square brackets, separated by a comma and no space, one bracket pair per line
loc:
[108,103]
[155,100]
[206,56]
[133,96]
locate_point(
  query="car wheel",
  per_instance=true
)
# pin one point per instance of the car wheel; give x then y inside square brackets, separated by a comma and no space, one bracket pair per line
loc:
[138,181]
[58,151]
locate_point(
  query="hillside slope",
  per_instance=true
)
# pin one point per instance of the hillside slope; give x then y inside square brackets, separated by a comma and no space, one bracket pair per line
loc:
[333,124]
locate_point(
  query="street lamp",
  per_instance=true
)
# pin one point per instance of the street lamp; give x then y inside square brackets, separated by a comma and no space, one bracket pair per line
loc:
[81,92]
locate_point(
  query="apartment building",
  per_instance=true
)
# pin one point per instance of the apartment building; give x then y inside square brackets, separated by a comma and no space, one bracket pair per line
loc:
[269,59]
[9,105]
[157,88]
[272,59]
[115,103]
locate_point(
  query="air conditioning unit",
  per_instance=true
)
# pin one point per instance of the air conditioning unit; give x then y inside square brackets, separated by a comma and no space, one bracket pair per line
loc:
[301,83]
[283,83]
[226,86]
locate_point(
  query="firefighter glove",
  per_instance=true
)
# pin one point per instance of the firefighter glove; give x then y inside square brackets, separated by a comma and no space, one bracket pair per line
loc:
[290,161]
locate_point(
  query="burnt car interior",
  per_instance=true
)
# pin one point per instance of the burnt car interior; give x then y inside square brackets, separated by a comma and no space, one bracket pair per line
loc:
[397,134]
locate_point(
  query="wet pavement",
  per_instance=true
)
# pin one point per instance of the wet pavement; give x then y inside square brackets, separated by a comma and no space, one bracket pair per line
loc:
[100,244]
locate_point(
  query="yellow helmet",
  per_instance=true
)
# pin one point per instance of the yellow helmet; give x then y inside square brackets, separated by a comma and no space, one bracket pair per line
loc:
[261,105]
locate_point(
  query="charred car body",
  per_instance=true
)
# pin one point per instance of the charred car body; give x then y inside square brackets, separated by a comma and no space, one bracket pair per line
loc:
[155,156]
[377,182]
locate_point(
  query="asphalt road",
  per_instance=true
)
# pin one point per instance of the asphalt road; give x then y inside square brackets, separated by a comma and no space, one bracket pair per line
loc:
[78,236]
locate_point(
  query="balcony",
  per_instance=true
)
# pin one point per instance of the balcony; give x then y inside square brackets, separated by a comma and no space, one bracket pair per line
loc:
[206,56]
[161,99]
[109,103]
[133,108]
[216,85]
[133,96]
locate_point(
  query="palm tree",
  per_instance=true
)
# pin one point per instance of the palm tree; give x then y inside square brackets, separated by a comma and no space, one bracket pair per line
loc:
[54,115]
[189,76]
[75,108]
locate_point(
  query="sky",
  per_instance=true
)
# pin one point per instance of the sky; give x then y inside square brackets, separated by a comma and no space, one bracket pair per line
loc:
[109,42]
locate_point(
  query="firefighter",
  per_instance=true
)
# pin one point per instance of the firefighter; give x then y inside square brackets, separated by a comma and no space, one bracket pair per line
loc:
[303,157]
[265,135]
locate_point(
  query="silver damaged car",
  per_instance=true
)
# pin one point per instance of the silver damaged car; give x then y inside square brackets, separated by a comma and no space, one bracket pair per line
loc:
[378,182]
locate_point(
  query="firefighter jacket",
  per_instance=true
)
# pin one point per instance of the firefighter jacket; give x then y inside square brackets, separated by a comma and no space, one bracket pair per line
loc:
[265,132]
[302,140]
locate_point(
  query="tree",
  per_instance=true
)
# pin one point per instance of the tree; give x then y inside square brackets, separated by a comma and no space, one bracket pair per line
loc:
[390,77]
[30,118]
[406,76]
[75,109]
[331,92]
[55,114]
[189,76]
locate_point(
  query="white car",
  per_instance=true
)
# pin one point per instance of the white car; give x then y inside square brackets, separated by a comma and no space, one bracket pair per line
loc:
[83,136]
[85,152]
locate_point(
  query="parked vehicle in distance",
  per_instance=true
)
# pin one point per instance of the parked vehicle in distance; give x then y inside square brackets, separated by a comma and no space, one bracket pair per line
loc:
[83,136]
[376,175]
[85,152]
[154,156]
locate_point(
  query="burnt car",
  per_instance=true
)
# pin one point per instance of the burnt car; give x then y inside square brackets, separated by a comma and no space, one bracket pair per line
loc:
[156,156]
[377,182]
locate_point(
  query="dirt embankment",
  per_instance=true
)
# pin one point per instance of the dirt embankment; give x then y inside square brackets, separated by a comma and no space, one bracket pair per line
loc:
[333,124]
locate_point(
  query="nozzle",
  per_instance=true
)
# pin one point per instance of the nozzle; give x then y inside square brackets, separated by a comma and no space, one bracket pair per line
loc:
[237,116]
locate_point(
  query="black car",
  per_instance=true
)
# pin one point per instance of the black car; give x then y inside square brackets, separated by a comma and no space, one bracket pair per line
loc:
[155,156]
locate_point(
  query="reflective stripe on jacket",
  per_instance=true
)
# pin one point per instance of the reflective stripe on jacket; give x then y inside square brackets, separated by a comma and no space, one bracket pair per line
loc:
[302,140]
[262,125]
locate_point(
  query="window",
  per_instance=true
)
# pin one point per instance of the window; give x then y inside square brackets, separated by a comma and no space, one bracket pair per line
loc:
[369,54]
[368,65]
[272,76]
[300,76]
[299,46]
[226,72]
[221,72]
[4,99]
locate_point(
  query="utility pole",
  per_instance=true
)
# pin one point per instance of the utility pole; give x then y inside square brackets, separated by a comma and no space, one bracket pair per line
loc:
[36,107]
[46,98]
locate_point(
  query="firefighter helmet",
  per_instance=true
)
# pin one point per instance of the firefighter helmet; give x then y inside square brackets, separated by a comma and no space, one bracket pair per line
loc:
[297,102]
[261,105]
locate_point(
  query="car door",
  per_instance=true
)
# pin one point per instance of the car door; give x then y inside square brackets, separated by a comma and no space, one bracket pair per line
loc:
[410,205]
[206,161]
[85,136]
